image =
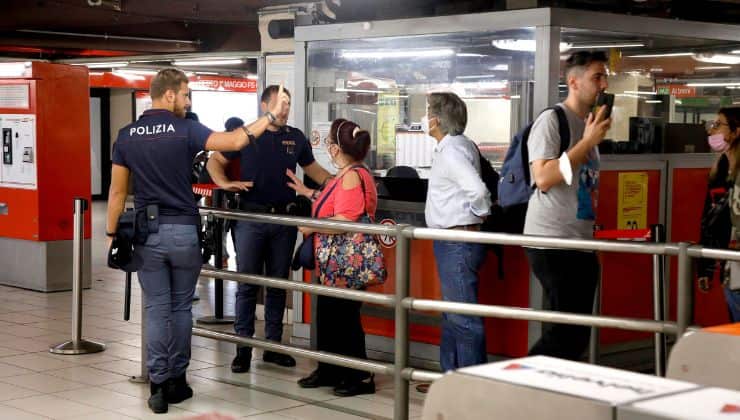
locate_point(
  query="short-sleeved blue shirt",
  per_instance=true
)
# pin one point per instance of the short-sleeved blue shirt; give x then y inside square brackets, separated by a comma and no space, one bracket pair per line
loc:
[159,149]
[265,160]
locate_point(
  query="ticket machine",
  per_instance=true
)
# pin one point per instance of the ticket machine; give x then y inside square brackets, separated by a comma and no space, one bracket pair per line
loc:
[45,125]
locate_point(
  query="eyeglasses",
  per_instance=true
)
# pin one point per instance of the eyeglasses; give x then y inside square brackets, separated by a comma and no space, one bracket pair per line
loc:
[714,125]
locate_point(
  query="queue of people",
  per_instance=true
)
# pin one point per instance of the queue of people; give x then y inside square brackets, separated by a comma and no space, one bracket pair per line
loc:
[564,183]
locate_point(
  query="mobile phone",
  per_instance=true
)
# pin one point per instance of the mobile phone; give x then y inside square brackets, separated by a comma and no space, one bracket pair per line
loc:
[604,99]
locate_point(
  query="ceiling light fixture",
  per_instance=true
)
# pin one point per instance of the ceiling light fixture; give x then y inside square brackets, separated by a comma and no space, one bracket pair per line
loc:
[140,72]
[617,45]
[103,65]
[215,62]
[527,45]
[717,58]
[477,76]
[718,84]
[678,54]
[712,68]
[470,55]
[398,54]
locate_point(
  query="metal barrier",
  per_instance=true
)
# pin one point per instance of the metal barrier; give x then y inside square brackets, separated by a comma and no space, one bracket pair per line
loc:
[402,303]
[77,345]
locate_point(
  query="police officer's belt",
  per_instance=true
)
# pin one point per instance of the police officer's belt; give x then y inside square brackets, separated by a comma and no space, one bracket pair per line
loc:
[261,208]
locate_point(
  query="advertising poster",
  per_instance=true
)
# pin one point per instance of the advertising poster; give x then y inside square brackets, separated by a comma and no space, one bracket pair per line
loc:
[388,118]
[632,200]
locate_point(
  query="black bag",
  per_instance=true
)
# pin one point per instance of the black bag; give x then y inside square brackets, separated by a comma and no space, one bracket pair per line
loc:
[121,255]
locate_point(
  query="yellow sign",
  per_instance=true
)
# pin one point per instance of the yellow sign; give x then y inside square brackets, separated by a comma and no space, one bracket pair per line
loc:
[633,200]
[388,117]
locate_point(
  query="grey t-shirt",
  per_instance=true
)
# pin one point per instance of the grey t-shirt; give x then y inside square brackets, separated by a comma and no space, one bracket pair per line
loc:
[566,211]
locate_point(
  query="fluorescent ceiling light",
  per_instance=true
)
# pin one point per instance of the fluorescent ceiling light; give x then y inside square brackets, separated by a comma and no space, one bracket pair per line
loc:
[500,67]
[640,92]
[221,62]
[712,67]
[616,45]
[207,73]
[477,76]
[128,76]
[717,58]
[138,72]
[718,84]
[398,54]
[470,55]
[654,101]
[14,69]
[104,65]
[252,76]
[678,54]
[735,52]
[529,45]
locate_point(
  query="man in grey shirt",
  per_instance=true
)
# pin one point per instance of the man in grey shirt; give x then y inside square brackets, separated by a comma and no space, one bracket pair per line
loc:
[564,200]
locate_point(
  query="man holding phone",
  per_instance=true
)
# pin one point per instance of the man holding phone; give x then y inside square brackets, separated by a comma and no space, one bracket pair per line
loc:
[564,200]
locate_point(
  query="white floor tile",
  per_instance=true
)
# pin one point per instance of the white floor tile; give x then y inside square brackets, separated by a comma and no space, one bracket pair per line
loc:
[21,318]
[133,389]
[7,412]
[4,352]
[97,415]
[12,392]
[312,412]
[87,375]
[42,382]
[12,370]
[207,404]
[259,400]
[267,416]
[141,411]
[84,359]
[50,405]
[99,397]
[121,367]
[37,362]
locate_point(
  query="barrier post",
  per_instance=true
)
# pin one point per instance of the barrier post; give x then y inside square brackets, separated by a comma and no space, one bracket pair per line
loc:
[684,309]
[77,345]
[401,357]
[658,235]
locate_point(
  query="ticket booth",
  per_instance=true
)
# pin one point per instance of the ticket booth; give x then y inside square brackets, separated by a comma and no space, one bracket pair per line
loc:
[44,118]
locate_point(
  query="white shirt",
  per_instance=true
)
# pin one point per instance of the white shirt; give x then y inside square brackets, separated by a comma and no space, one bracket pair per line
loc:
[457,195]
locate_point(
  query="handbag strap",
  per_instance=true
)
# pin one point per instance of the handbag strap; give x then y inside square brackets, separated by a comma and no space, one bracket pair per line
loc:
[328,193]
[323,200]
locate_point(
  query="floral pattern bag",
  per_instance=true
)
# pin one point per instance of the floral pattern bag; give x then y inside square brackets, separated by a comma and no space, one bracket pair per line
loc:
[351,260]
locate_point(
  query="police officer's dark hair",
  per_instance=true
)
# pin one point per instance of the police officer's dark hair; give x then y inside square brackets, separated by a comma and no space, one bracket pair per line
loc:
[165,80]
[272,90]
[580,60]
[354,143]
[450,110]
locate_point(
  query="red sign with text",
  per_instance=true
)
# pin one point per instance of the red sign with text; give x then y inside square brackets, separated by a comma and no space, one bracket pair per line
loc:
[141,82]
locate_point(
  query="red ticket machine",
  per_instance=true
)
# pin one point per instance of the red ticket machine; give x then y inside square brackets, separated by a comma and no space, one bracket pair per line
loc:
[45,125]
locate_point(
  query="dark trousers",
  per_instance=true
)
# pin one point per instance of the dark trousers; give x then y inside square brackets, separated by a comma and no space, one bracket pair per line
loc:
[339,330]
[569,280]
[268,248]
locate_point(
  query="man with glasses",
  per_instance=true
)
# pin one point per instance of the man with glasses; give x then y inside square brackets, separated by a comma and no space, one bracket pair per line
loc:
[563,202]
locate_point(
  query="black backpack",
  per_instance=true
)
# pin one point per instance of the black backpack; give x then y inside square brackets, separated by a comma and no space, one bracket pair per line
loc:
[515,185]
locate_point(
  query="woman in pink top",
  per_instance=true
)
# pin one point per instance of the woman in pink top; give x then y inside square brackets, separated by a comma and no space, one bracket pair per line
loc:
[352,194]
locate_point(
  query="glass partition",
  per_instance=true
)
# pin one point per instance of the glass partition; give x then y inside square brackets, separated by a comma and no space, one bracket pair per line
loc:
[667,88]
[382,83]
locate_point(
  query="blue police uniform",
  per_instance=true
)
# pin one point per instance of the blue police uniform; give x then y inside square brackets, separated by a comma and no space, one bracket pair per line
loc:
[263,246]
[159,149]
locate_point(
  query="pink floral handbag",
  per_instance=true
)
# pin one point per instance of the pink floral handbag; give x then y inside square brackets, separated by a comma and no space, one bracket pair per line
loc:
[351,260]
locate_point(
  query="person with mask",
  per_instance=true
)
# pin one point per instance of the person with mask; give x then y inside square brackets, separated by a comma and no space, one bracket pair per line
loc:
[158,151]
[716,224]
[347,197]
[264,247]
[457,199]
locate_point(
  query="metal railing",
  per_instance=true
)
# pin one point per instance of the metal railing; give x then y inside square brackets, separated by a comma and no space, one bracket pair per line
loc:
[402,302]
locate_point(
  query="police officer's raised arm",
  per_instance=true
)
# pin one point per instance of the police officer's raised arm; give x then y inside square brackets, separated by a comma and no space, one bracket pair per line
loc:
[238,139]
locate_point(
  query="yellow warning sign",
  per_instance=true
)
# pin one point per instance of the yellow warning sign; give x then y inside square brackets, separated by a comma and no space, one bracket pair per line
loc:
[632,202]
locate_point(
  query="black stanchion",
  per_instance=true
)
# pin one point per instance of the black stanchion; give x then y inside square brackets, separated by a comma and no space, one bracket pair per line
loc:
[127,298]
[218,256]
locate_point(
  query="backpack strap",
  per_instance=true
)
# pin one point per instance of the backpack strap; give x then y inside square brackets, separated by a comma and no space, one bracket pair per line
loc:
[563,130]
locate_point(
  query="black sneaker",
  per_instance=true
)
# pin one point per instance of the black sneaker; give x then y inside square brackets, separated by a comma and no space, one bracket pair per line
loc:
[243,360]
[316,379]
[158,400]
[178,390]
[278,359]
[350,388]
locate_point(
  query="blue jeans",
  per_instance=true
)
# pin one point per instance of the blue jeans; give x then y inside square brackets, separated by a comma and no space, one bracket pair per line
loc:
[732,297]
[262,248]
[171,265]
[463,340]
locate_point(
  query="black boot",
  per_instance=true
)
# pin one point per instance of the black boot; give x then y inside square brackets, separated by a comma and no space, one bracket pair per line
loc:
[278,358]
[352,387]
[178,390]
[243,360]
[158,400]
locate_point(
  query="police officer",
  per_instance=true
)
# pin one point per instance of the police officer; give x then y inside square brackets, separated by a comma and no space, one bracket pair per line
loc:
[263,246]
[158,150]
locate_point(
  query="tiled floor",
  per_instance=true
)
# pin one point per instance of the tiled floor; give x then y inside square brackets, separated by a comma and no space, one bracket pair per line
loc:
[35,384]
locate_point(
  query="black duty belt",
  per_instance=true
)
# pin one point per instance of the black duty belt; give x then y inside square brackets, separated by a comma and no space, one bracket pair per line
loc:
[262,208]
[179,220]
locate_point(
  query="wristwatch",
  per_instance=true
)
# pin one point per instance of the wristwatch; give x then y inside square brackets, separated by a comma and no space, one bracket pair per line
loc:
[315,194]
[110,235]
[270,116]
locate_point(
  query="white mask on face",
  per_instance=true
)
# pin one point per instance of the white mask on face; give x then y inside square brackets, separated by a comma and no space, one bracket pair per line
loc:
[425,125]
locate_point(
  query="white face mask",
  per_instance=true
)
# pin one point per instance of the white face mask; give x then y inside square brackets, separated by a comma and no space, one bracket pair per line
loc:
[425,125]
